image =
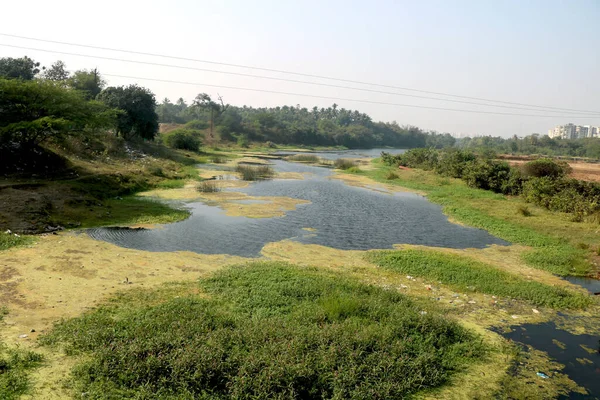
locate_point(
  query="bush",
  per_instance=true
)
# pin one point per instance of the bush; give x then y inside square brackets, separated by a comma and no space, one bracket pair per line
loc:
[452,162]
[391,176]
[306,158]
[242,141]
[343,163]
[487,175]
[254,173]
[566,195]
[183,139]
[524,211]
[423,158]
[208,186]
[546,167]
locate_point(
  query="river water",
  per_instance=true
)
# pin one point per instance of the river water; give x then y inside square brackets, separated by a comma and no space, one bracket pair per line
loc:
[339,215]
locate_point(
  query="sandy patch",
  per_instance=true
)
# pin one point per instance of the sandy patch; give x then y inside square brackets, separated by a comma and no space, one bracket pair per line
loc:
[64,275]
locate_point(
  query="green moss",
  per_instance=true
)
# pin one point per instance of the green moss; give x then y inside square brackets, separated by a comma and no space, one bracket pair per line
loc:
[463,274]
[266,330]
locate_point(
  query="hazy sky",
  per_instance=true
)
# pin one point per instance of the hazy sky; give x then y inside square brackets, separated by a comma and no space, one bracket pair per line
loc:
[535,52]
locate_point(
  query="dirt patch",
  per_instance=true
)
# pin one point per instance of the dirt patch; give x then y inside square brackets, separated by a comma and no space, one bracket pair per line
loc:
[580,170]
[54,285]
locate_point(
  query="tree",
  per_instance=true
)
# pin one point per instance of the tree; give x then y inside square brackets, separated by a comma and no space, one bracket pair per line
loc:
[203,101]
[34,111]
[90,82]
[57,72]
[138,104]
[19,68]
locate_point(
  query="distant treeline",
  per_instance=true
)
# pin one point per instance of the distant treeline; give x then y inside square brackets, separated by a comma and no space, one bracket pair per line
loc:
[330,126]
[534,144]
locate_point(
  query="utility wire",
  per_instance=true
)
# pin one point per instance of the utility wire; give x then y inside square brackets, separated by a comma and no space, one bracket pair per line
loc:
[340,98]
[301,74]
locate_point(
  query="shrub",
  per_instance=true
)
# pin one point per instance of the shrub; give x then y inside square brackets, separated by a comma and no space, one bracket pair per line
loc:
[183,139]
[254,173]
[307,158]
[353,170]
[391,175]
[208,186]
[452,162]
[423,158]
[343,163]
[487,174]
[546,167]
[524,211]
[242,141]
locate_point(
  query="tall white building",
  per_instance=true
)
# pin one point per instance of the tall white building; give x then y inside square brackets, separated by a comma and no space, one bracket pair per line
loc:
[571,131]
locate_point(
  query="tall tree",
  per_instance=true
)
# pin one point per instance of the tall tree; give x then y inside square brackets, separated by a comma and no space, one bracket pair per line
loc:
[19,68]
[138,105]
[57,72]
[204,101]
[89,82]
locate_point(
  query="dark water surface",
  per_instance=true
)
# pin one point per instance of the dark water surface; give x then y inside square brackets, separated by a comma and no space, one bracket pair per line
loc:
[335,154]
[344,217]
[566,348]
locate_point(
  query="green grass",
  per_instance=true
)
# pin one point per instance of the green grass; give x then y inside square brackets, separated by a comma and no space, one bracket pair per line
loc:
[129,210]
[14,367]
[343,163]
[265,330]
[8,240]
[254,173]
[171,184]
[549,233]
[464,274]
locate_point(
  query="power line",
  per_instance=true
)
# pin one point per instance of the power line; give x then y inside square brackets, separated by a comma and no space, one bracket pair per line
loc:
[270,78]
[342,98]
[301,74]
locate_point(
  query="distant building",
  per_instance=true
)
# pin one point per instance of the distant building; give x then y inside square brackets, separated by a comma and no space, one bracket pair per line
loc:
[571,131]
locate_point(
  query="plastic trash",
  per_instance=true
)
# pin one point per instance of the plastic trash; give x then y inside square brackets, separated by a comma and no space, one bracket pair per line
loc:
[542,375]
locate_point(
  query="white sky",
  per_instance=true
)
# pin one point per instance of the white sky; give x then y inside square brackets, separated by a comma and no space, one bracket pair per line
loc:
[541,52]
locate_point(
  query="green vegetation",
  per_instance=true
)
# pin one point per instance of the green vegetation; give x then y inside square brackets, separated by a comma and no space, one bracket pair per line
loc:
[304,158]
[499,215]
[541,181]
[208,186]
[14,367]
[286,125]
[465,275]
[183,138]
[254,173]
[343,163]
[534,144]
[266,330]
[8,240]
[129,210]
[137,116]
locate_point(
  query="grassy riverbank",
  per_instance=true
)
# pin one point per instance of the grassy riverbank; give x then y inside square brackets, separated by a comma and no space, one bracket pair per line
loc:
[558,244]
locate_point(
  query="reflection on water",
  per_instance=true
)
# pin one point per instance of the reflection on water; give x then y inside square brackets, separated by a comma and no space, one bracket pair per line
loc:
[579,353]
[344,217]
[592,285]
